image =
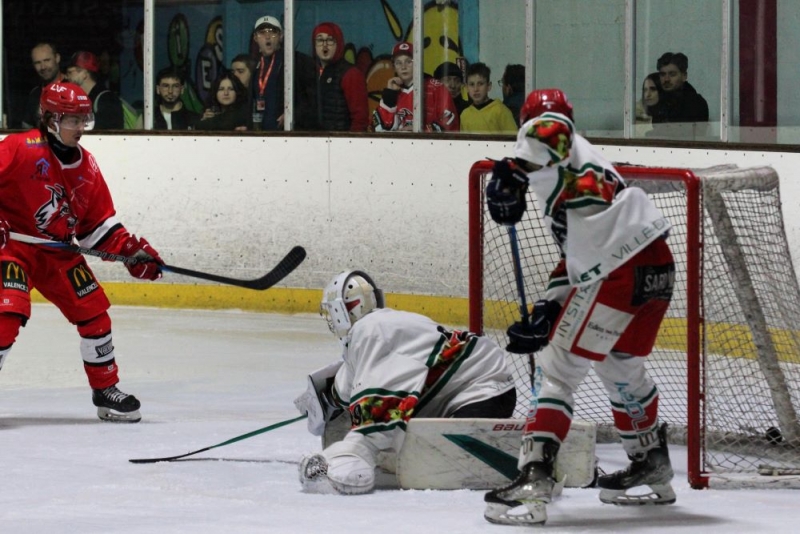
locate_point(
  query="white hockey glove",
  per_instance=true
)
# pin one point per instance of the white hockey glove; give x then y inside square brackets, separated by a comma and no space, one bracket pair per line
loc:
[316,401]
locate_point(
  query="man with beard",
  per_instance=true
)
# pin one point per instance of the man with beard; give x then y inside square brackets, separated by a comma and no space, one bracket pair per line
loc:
[171,114]
[46,60]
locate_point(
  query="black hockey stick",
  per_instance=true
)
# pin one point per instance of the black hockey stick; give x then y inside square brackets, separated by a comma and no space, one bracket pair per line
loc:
[228,442]
[513,239]
[288,264]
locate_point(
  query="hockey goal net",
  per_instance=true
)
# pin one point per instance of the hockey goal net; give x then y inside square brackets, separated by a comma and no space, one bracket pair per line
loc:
[727,358]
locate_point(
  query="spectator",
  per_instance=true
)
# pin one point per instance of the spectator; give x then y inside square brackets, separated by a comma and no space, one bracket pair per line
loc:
[170,113]
[513,86]
[83,72]
[645,108]
[342,103]
[51,187]
[268,83]
[396,109]
[396,365]
[485,115]
[452,77]
[227,108]
[681,102]
[243,66]
[46,62]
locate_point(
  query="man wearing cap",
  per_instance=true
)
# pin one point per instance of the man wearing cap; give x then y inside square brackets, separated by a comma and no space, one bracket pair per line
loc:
[267,83]
[452,78]
[83,71]
[396,109]
[46,62]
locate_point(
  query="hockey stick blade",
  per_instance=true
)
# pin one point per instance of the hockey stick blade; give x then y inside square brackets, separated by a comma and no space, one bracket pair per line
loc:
[227,442]
[288,264]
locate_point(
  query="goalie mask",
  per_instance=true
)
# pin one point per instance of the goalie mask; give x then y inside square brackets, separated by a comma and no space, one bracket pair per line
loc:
[346,299]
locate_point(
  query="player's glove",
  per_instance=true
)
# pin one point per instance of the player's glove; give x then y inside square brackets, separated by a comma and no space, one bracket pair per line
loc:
[148,262]
[533,335]
[4,229]
[506,191]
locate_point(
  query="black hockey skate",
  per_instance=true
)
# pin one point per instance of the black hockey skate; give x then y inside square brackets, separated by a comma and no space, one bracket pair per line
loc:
[651,468]
[116,406]
[522,502]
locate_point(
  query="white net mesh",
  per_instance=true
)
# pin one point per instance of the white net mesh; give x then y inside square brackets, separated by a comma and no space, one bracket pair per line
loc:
[749,360]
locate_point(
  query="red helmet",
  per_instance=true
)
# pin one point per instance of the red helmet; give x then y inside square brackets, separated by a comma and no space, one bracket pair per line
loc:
[65,98]
[542,100]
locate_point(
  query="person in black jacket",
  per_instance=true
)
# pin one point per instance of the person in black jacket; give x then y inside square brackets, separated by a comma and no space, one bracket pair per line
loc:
[267,84]
[681,103]
[227,108]
[84,71]
[342,101]
[171,114]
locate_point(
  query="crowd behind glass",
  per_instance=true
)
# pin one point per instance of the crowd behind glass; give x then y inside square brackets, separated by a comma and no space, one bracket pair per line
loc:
[330,91]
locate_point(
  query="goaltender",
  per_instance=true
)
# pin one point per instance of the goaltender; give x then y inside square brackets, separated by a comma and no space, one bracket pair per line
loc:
[395,365]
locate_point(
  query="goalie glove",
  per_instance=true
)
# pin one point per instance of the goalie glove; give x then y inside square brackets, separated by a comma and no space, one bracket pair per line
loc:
[317,400]
[527,337]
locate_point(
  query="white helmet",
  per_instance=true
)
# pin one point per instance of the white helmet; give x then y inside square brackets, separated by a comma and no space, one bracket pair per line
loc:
[347,298]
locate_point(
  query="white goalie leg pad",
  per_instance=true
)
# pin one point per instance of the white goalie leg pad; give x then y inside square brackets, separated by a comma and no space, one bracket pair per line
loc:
[346,468]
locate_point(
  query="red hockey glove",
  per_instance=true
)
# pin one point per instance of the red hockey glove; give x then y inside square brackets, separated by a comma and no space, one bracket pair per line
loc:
[4,229]
[147,266]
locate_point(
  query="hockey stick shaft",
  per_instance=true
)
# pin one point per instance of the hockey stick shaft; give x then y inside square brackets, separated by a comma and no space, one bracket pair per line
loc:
[288,264]
[227,442]
[513,240]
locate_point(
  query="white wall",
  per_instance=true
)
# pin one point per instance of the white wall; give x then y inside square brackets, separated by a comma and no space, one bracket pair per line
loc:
[394,207]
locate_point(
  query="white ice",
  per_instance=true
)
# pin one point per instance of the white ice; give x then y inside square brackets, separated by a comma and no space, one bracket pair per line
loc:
[207,376]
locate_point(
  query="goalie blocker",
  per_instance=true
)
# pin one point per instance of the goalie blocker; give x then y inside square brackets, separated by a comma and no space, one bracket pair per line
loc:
[449,454]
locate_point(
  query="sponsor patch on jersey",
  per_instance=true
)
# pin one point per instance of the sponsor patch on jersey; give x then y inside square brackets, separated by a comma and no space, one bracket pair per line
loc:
[34,141]
[14,277]
[105,349]
[82,280]
[42,170]
[653,282]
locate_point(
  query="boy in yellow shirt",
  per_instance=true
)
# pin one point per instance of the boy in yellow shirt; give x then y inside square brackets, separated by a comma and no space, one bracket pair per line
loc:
[485,115]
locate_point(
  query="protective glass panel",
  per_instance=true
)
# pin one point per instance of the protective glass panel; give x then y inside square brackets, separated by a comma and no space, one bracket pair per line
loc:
[679,69]
[40,40]
[580,48]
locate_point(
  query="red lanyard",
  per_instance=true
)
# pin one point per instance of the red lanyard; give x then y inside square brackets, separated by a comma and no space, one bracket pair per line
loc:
[262,79]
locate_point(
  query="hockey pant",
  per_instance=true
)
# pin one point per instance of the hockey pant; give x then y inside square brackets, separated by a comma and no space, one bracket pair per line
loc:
[67,281]
[612,323]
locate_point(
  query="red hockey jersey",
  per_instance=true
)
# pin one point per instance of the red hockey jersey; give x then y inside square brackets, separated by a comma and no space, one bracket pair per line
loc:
[396,109]
[40,196]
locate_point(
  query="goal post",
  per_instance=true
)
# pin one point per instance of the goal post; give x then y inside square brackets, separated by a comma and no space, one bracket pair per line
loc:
[727,357]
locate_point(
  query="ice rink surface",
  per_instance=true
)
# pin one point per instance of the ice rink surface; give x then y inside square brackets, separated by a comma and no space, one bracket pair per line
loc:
[207,376]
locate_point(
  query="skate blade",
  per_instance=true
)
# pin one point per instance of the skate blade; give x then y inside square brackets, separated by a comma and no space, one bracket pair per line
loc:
[109,415]
[530,513]
[659,494]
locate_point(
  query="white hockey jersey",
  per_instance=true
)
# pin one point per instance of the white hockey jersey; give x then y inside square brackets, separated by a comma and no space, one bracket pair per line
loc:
[399,365]
[598,222]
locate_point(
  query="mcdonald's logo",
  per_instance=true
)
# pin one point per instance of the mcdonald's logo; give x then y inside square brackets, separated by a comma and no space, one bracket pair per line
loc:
[82,280]
[14,276]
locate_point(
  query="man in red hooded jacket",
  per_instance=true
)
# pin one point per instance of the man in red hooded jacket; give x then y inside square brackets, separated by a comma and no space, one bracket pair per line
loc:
[341,86]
